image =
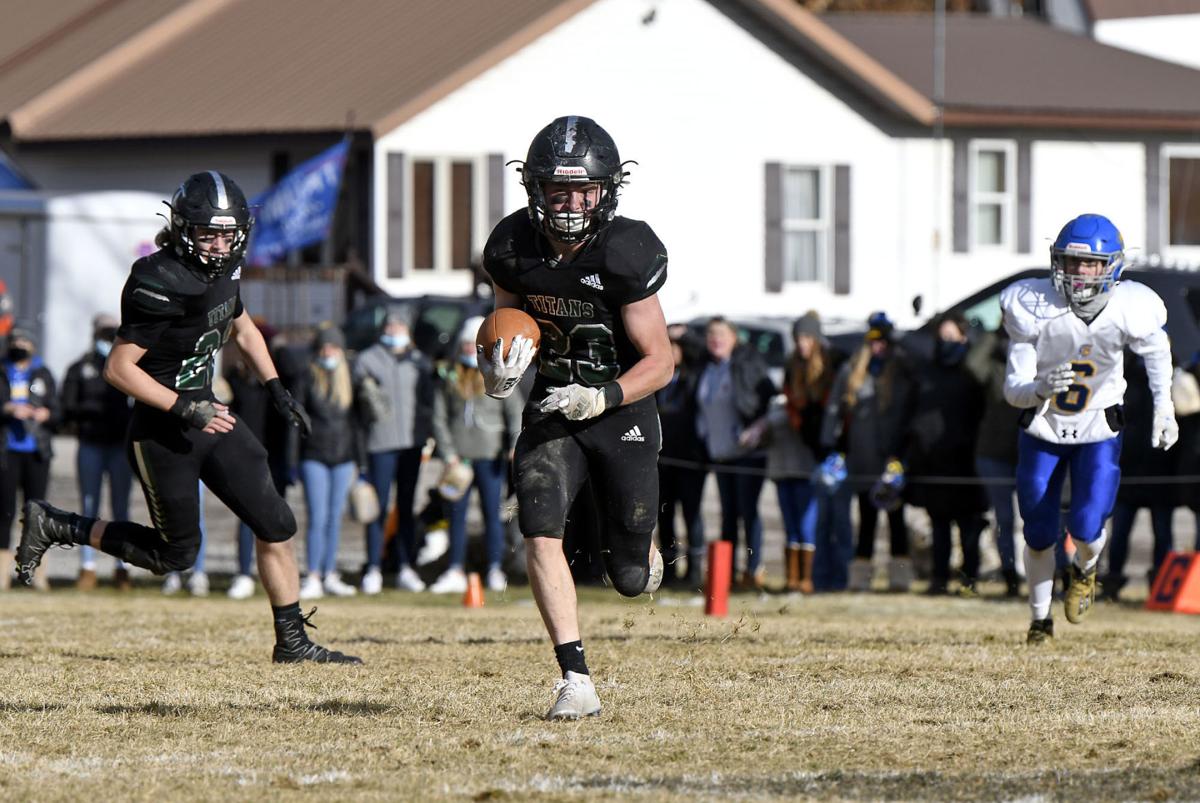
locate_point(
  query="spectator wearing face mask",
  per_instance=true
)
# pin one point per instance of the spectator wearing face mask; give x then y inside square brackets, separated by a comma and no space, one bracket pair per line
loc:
[941,443]
[394,382]
[30,415]
[98,415]
[473,429]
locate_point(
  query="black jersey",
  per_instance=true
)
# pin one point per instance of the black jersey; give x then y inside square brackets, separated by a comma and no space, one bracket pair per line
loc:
[181,320]
[578,304]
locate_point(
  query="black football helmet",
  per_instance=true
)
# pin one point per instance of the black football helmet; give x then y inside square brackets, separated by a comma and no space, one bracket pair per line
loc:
[209,200]
[572,149]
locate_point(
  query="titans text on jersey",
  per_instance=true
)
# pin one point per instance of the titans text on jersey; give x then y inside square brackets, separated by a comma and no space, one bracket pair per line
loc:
[578,305]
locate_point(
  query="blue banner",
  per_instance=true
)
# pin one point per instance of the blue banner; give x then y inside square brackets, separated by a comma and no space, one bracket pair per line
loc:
[298,210]
[11,178]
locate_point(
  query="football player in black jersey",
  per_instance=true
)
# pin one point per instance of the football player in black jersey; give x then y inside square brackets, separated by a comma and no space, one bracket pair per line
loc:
[590,279]
[179,306]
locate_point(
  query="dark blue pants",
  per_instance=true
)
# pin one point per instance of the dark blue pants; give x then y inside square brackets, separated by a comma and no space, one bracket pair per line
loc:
[489,480]
[682,486]
[92,462]
[739,488]
[401,466]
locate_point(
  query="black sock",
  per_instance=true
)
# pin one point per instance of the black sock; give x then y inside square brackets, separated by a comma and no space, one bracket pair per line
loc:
[570,658]
[289,624]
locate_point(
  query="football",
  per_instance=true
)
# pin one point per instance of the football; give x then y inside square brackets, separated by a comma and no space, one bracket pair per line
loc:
[505,324]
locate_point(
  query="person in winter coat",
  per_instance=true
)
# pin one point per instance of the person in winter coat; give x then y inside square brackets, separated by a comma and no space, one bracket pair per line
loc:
[1140,460]
[996,446]
[30,415]
[395,383]
[733,392]
[98,414]
[870,407]
[477,431]
[948,405]
[329,459]
[681,464]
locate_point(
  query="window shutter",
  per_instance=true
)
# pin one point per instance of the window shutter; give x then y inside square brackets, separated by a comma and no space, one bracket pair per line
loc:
[495,196]
[841,230]
[1024,196]
[960,180]
[395,216]
[1155,214]
[773,234]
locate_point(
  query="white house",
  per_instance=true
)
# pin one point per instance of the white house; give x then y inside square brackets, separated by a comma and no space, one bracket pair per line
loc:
[789,161]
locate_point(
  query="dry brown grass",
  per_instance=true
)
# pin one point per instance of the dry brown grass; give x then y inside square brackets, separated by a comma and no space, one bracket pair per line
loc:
[867,697]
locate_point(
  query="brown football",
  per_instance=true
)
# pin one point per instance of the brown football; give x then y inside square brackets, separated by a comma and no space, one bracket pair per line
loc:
[505,324]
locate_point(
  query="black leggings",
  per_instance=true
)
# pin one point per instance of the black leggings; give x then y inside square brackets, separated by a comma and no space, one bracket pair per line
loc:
[170,461]
[868,516]
[970,526]
[28,472]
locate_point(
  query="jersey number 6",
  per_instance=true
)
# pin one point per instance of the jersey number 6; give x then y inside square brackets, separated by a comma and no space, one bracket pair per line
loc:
[1075,397]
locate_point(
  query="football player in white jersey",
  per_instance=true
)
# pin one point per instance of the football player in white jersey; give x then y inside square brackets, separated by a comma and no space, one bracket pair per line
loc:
[1066,370]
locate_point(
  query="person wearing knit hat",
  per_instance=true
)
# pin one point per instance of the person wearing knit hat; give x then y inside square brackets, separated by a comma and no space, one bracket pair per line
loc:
[329,460]
[98,415]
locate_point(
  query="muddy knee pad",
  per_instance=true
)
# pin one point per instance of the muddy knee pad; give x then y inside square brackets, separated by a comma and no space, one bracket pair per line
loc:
[627,558]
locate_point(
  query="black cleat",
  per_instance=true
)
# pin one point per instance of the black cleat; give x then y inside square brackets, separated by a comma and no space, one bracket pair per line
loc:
[1040,631]
[293,645]
[43,526]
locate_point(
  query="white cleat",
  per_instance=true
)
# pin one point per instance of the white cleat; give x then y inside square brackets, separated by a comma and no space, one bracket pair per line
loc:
[335,586]
[372,581]
[574,697]
[242,587]
[654,581]
[407,579]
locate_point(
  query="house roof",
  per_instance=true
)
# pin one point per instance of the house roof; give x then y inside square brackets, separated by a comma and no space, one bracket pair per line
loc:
[1023,72]
[107,69]
[54,39]
[1115,9]
[214,67]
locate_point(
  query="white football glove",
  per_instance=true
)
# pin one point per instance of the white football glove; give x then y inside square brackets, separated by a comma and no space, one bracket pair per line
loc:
[500,375]
[1166,429]
[576,402]
[1055,380]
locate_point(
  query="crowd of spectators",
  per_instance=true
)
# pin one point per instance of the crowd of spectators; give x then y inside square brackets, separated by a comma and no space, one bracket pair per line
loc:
[862,436]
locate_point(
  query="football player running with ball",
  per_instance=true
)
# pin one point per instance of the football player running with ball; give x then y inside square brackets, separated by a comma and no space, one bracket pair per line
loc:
[1066,369]
[590,279]
[179,306]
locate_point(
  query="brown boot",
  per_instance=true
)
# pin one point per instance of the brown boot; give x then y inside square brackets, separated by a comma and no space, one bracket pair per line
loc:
[806,565]
[6,569]
[793,568]
[86,580]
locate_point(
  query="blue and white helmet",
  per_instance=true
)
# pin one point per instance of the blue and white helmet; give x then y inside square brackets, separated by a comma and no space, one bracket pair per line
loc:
[1087,237]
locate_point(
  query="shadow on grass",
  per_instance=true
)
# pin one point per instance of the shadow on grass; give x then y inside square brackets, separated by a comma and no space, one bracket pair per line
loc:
[12,707]
[333,707]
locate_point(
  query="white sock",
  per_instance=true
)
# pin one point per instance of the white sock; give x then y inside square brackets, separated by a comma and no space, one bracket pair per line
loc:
[1039,571]
[1087,555]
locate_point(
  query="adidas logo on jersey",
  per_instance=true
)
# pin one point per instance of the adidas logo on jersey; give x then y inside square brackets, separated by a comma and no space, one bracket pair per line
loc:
[634,434]
[593,281]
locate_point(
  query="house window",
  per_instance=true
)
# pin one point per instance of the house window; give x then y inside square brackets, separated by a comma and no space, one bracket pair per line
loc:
[444,197]
[993,194]
[1183,199]
[806,225]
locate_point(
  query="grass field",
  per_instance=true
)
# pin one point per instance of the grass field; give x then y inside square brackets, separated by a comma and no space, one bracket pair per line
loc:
[837,697]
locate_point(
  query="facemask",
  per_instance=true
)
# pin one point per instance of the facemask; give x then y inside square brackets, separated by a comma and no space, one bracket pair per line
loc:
[329,363]
[104,347]
[399,342]
[469,360]
[951,353]
[17,354]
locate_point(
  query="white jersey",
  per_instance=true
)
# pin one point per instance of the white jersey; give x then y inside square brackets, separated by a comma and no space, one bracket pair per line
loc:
[1046,333]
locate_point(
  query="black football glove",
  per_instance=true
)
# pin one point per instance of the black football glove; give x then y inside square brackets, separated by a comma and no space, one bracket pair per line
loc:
[195,413]
[288,407]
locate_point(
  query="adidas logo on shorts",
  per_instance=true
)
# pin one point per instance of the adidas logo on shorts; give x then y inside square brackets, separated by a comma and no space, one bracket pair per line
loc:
[592,281]
[634,434]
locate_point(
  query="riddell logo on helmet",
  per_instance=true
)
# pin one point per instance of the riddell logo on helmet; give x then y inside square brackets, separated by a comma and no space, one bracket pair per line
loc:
[223,220]
[561,170]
